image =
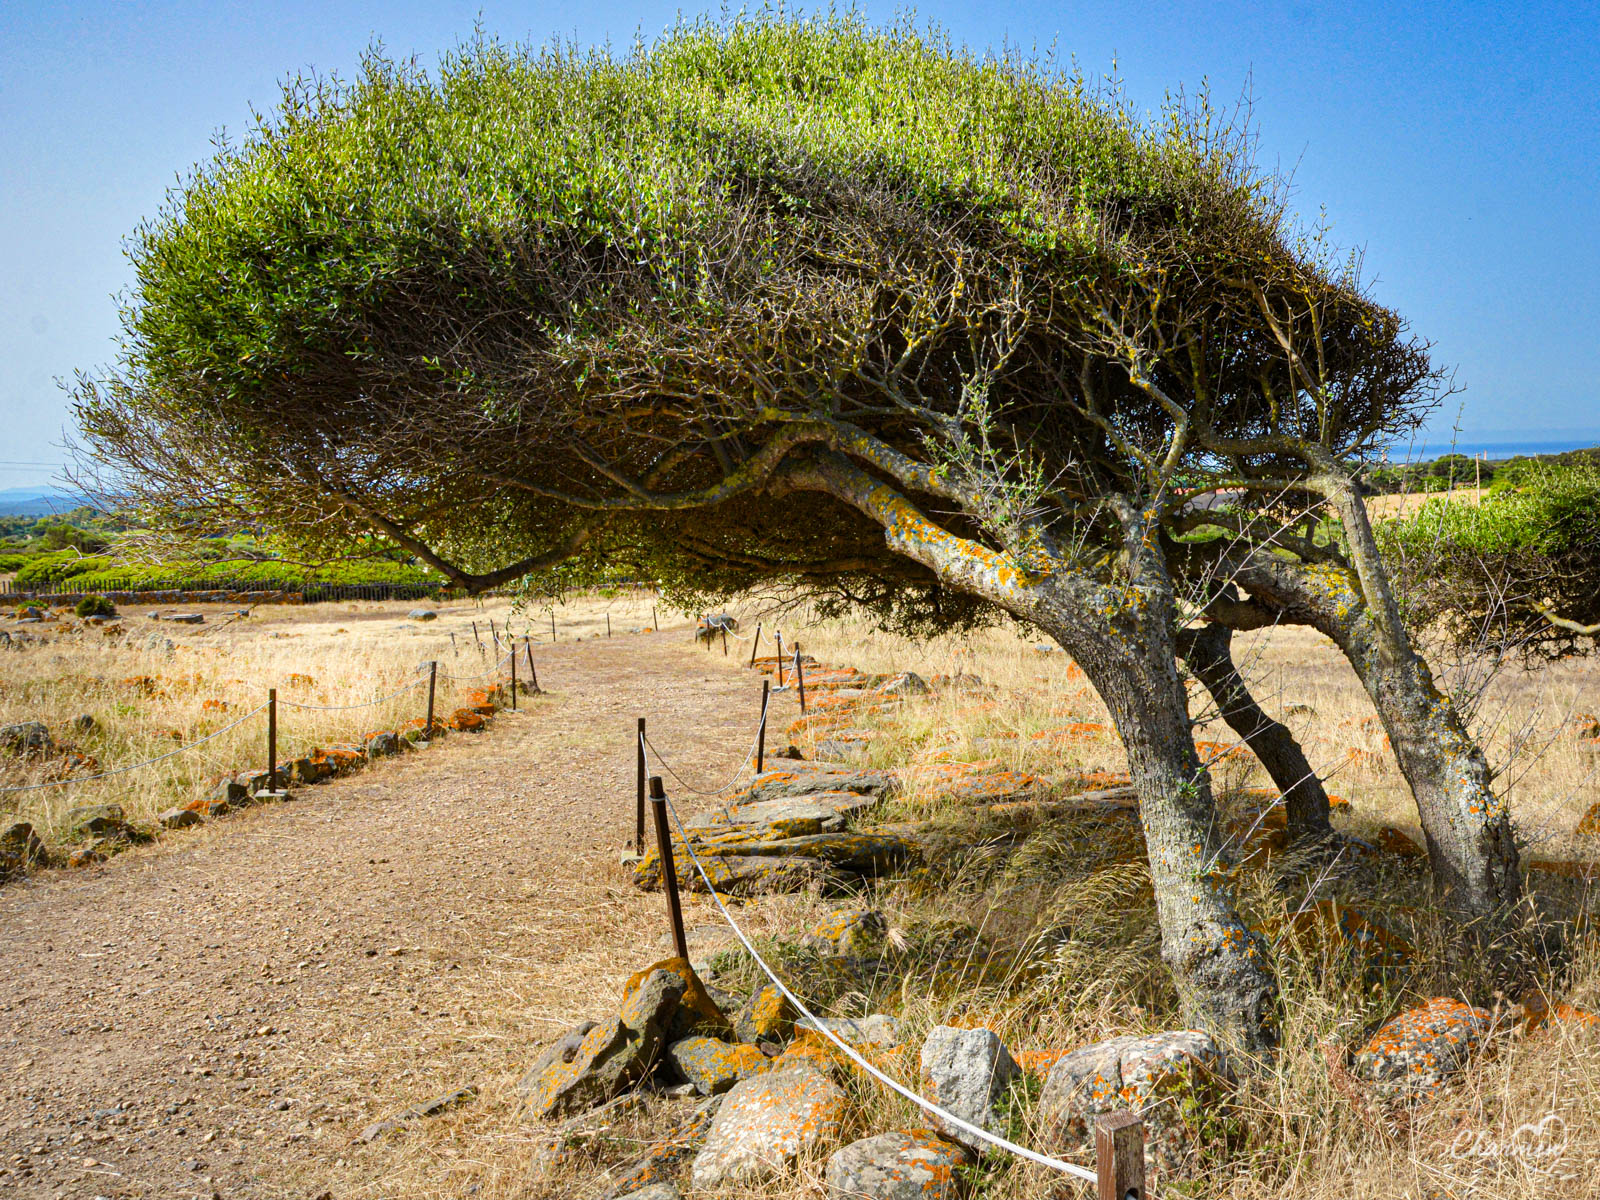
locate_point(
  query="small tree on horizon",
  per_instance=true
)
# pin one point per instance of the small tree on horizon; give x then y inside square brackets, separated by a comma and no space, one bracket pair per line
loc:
[809,302]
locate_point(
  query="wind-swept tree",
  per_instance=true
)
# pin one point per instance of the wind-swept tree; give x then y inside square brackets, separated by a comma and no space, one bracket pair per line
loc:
[779,301]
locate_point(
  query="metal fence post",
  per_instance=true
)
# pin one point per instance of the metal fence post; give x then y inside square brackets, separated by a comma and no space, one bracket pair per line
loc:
[800,678]
[638,825]
[433,676]
[533,673]
[552,627]
[755,644]
[778,636]
[1119,1157]
[513,657]
[761,729]
[669,872]
[272,739]
[608,624]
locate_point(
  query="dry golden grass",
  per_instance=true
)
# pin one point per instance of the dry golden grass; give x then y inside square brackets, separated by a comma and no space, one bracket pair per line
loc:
[147,700]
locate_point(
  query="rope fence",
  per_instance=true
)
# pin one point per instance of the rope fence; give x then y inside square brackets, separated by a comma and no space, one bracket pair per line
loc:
[1117,1175]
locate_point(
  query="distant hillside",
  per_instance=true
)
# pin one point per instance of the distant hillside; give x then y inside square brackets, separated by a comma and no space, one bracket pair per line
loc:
[36,501]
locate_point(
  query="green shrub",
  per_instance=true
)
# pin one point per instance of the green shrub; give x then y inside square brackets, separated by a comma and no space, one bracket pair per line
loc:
[95,606]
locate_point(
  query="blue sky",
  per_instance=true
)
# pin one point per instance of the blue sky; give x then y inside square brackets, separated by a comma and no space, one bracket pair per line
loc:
[1457,144]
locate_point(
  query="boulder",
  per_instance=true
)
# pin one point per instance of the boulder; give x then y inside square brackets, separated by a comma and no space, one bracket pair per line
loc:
[179,818]
[26,737]
[767,1122]
[83,723]
[1155,1075]
[422,614]
[381,744]
[878,1031]
[713,1065]
[967,1071]
[852,931]
[774,818]
[159,643]
[612,1054]
[906,683]
[1414,1055]
[97,820]
[20,848]
[914,1164]
[736,875]
[188,618]
[766,1016]
[696,1012]
[230,792]
[795,778]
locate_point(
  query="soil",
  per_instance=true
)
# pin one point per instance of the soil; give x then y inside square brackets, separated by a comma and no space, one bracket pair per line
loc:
[221,1014]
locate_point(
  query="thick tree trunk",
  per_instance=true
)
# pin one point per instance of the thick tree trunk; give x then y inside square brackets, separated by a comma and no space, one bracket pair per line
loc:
[1207,651]
[1121,635]
[1216,961]
[1468,827]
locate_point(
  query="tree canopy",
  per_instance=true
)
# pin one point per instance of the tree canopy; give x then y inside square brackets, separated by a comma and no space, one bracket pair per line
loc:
[541,304]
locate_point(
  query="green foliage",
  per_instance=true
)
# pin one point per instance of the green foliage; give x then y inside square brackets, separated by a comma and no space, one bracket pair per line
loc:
[95,606]
[1482,571]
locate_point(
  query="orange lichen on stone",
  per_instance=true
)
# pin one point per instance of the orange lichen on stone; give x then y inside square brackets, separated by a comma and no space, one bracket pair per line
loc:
[1589,823]
[1392,841]
[1211,752]
[1038,1062]
[1565,869]
[697,1011]
[1413,1055]
[220,706]
[466,720]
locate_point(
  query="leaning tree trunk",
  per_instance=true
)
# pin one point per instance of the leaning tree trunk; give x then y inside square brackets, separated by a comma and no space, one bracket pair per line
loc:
[1467,827]
[1216,961]
[1207,651]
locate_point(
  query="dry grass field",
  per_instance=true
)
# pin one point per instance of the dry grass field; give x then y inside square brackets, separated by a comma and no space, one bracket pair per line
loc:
[485,951]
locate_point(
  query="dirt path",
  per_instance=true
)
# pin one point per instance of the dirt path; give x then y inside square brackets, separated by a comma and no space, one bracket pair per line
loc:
[221,1014]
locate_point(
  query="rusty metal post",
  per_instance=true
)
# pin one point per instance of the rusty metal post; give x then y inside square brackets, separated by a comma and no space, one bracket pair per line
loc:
[778,636]
[655,621]
[800,678]
[476,638]
[669,872]
[552,627]
[433,678]
[533,673]
[608,624]
[755,644]
[724,641]
[494,635]
[513,646]
[1119,1157]
[272,739]
[761,730]
[638,824]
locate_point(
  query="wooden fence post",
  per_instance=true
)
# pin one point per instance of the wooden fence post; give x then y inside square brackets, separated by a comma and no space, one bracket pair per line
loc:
[724,641]
[755,644]
[800,678]
[638,824]
[669,872]
[761,729]
[433,677]
[272,739]
[1119,1156]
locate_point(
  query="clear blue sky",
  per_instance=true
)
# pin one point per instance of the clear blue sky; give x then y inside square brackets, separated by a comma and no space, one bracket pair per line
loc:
[1458,144]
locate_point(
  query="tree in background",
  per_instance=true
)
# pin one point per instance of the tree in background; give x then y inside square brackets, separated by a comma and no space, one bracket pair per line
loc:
[802,302]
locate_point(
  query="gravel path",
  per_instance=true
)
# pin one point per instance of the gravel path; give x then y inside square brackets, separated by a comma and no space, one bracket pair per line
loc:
[222,1013]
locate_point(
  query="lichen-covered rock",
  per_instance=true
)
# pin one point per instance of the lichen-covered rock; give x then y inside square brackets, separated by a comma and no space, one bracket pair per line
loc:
[1415,1054]
[381,744]
[1153,1074]
[772,818]
[713,1065]
[765,1016]
[966,1072]
[765,1123]
[906,683]
[20,848]
[697,1013]
[795,777]
[743,875]
[854,931]
[97,820]
[563,1050]
[613,1054]
[914,1164]
[179,818]
[879,1030]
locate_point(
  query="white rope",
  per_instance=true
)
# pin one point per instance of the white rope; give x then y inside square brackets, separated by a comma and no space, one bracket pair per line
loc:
[499,662]
[1055,1164]
[34,787]
[738,771]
